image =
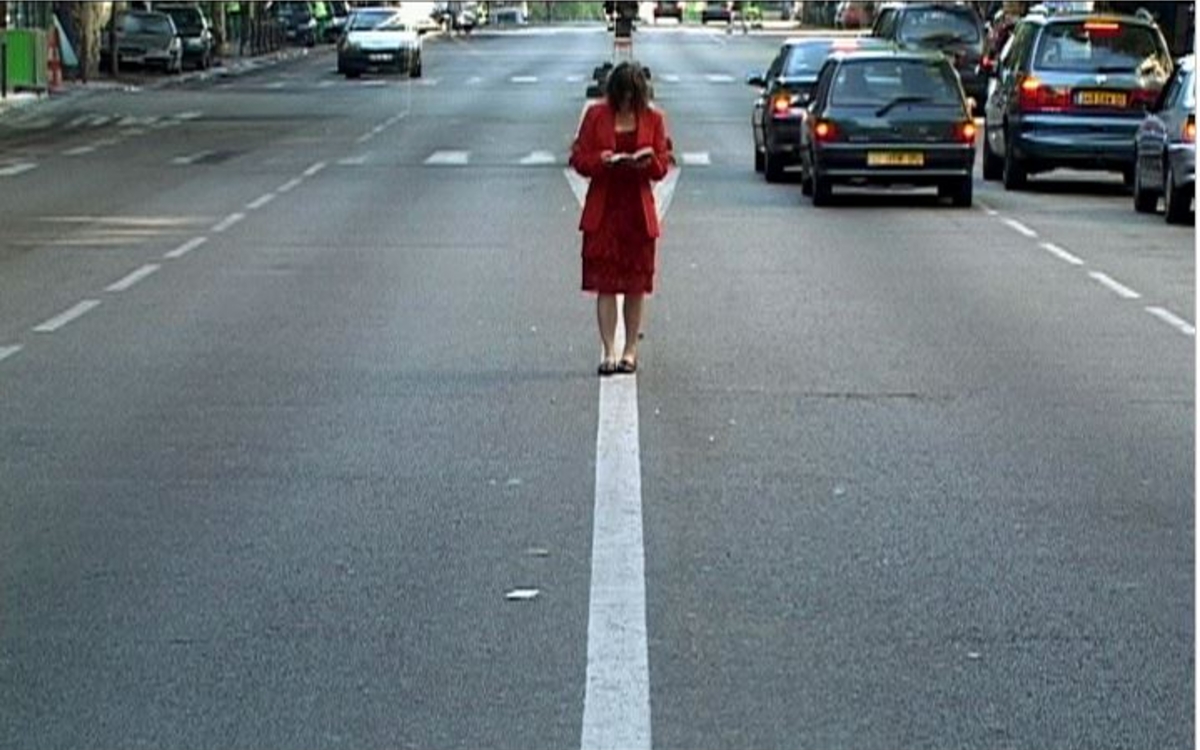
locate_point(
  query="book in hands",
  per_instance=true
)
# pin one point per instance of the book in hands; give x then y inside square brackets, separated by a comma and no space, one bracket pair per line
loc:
[641,154]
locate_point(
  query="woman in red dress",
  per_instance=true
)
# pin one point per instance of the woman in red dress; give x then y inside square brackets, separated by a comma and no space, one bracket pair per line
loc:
[622,146]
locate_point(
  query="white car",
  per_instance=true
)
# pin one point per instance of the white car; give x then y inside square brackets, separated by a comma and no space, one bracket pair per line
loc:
[379,39]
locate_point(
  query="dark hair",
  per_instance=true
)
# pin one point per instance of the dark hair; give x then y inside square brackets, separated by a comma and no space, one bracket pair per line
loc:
[628,81]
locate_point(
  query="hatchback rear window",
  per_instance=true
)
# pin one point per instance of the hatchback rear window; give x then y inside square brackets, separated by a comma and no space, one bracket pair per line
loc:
[875,83]
[1101,46]
[939,26]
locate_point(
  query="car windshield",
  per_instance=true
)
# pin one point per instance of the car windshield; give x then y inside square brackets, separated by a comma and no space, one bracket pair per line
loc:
[880,83]
[147,25]
[939,25]
[1101,46]
[369,20]
[187,20]
[806,59]
[1189,89]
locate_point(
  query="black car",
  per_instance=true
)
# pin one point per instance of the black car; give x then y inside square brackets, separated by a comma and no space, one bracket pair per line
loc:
[195,32]
[1165,149]
[785,89]
[668,10]
[717,11]
[1070,91]
[299,23]
[954,29]
[888,118]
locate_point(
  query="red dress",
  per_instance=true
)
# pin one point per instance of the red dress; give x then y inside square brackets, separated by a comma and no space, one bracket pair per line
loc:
[618,258]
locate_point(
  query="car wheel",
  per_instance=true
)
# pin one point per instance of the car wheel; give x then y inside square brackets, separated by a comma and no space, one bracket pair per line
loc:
[993,165]
[960,192]
[1144,201]
[1013,172]
[772,169]
[415,72]
[821,190]
[353,74]
[1175,200]
[759,161]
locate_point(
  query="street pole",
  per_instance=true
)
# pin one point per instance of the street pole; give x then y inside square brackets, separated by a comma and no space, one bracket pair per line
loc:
[113,53]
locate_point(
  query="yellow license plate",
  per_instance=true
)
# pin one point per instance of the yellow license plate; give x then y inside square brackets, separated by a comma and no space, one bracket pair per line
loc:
[1102,99]
[895,159]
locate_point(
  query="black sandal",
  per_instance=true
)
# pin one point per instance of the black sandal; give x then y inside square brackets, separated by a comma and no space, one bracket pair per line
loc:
[606,368]
[627,366]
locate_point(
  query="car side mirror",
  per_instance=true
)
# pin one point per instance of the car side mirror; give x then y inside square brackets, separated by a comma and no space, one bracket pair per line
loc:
[757,79]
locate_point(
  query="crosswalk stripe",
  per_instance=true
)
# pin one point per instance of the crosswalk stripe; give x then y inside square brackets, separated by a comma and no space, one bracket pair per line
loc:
[538,157]
[449,158]
[719,78]
[16,169]
[524,79]
[696,158]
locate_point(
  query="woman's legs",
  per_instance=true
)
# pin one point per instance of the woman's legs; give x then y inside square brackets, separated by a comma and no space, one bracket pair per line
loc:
[634,305]
[606,318]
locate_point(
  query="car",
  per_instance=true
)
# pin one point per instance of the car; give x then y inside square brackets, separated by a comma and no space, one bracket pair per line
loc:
[1070,91]
[954,29]
[896,117]
[784,91]
[379,39]
[1165,149]
[852,14]
[298,21]
[335,23]
[716,11]
[195,31]
[668,10]
[146,38]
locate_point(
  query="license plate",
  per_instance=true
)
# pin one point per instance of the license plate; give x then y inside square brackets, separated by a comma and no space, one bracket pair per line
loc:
[895,159]
[381,58]
[1118,99]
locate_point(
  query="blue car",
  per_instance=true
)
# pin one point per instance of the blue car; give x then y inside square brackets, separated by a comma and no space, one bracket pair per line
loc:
[1165,149]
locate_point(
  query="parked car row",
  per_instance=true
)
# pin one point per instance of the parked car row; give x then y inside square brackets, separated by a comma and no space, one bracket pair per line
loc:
[172,36]
[1084,91]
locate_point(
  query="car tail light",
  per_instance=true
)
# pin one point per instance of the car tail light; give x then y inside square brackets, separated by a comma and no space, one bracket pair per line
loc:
[1142,98]
[1189,130]
[1036,96]
[824,131]
[1102,28]
[966,131]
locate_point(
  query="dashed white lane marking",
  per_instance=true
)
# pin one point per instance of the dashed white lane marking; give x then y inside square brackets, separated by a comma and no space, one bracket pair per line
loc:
[314,169]
[696,158]
[8,351]
[261,201]
[15,169]
[1018,226]
[1053,249]
[524,79]
[671,78]
[474,81]
[1173,320]
[718,78]
[133,278]
[538,157]
[574,79]
[228,221]
[616,701]
[79,151]
[365,137]
[290,185]
[192,158]
[1116,286]
[186,248]
[60,320]
[451,158]
[189,115]
[353,161]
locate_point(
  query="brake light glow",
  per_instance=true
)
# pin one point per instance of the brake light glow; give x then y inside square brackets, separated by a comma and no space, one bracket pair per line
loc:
[1142,98]
[966,132]
[1036,96]
[781,104]
[1106,28]
[824,130]
[1189,130]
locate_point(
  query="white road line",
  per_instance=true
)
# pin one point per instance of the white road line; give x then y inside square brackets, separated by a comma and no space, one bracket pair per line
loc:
[8,351]
[365,137]
[670,78]
[1166,316]
[289,185]
[228,221]
[1020,227]
[192,158]
[1053,249]
[133,278]
[449,158]
[474,81]
[15,169]
[353,161]
[189,115]
[524,79]
[314,169]
[186,248]
[79,151]
[616,701]
[60,320]
[718,78]
[574,79]
[261,201]
[696,158]
[1114,285]
[537,158]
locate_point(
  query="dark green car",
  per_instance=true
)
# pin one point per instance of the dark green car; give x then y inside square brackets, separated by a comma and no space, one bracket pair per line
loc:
[888,118]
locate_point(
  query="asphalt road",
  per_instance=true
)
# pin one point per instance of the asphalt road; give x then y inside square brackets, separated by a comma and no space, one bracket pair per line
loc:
[297,387]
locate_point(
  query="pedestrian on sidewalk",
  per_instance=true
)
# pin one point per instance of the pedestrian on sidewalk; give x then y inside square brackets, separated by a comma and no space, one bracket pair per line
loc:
[622,146]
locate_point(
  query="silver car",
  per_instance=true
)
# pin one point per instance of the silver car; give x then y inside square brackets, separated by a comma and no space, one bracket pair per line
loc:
[145,38]
[1166,149]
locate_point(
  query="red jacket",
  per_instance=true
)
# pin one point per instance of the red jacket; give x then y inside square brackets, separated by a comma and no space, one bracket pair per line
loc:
[597,133]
